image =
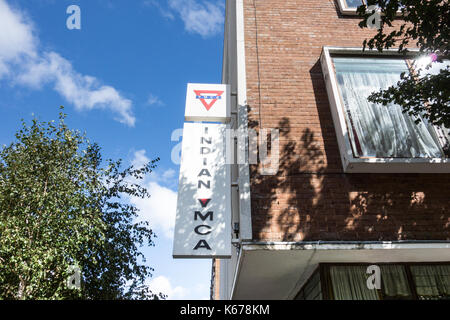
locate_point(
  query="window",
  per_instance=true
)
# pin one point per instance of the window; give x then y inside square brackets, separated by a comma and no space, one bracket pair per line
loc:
[352,3]
[311,290]
[372,137]
[350,283]
[398,282]
[432,281]
[348,7]
[442,132]
[376,130]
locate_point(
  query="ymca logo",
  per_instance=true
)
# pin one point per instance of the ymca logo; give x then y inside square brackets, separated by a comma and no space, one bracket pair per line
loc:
[211,95]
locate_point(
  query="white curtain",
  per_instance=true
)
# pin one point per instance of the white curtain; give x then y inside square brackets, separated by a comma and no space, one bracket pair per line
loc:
[376,130]
[350,283]
[432,281]
[395,283]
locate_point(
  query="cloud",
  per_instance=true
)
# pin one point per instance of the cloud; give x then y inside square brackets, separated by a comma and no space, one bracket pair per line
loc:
[160,209]
[84,92]
[168,174]
[164,285]
[139,158]
[23,62]
[154,100]
[164,12]
[16,38]
[205,18]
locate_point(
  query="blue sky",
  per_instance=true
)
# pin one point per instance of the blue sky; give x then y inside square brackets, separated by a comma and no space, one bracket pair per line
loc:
[122,78]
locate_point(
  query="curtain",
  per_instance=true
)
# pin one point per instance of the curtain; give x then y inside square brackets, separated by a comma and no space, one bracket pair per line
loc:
[432,281]
[395,283]
[376,130]
[350,283]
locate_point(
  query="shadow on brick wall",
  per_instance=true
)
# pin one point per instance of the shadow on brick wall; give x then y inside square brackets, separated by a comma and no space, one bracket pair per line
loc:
[310,198]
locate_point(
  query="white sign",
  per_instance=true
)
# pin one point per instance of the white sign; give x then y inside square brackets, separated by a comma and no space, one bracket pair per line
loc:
[207,102]
[203,220]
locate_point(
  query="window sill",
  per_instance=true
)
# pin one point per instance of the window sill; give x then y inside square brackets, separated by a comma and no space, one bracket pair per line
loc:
[396,165]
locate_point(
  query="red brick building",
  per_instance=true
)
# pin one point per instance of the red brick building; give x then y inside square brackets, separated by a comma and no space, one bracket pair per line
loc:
[357,185]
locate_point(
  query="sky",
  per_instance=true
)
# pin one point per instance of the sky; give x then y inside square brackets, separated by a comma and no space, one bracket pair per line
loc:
[122,79]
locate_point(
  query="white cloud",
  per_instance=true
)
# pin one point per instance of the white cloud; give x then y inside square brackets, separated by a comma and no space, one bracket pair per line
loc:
[85,92]
[139,158]
[203,17]
[154,100]
[160,209]
[26,65]
[168,174]
[16,37]
[162,284]
[164,12]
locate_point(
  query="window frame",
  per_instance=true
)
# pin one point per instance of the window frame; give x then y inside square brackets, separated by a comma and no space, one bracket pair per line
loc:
[350,11]
[316,272]
[346,9]
[350,163]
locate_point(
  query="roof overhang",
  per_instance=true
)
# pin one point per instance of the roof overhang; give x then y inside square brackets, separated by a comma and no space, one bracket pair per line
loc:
[278,270]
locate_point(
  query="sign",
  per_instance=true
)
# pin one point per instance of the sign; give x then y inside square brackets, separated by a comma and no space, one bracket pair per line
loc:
[207,102]
[203,220]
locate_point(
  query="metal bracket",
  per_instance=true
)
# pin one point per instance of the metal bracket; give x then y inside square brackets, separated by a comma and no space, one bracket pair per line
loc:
[236,243]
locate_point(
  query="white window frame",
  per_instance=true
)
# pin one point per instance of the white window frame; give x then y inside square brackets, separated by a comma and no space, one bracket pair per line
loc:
[350,11]
[353,164]
[345,9]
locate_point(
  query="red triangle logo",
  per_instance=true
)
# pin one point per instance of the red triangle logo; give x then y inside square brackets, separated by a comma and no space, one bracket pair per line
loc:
[204,202]
[211,95]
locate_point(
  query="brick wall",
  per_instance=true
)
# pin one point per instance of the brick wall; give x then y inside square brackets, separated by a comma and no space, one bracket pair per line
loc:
[311,198]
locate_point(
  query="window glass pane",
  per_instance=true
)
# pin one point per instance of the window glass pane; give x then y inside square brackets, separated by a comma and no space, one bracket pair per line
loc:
[376,130]
[444,136]
[353,3]
[350,283]
[432,281]
[442,132]
[423,61]
[312,289]
[395,282]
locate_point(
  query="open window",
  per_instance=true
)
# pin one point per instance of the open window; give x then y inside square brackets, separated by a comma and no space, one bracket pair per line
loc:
[372,137]
[349,7]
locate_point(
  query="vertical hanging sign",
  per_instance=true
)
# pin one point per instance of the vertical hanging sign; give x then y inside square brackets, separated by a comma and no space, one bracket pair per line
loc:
[203,218]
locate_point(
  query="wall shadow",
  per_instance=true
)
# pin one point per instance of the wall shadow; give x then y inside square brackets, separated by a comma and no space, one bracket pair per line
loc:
[310,198]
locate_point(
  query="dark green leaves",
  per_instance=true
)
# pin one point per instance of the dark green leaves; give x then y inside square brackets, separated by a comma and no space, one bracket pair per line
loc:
[414,23]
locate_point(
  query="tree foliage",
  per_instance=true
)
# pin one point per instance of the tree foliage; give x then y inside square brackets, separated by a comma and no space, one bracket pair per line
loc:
[62,208]
[414,23]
